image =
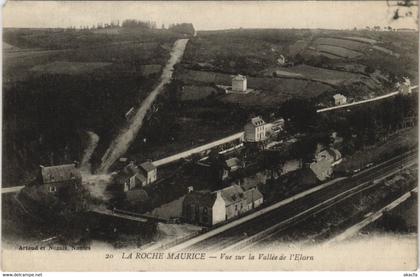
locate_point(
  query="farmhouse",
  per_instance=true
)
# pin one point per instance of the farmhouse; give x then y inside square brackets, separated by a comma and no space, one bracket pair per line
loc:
[254,198]
[339,99]
[149,171]
[239,83]
[209,208]
[255,130]
[252,194]
[129,178]
[54,179]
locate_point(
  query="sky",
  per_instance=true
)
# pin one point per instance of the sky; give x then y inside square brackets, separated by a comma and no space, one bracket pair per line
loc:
[207,15]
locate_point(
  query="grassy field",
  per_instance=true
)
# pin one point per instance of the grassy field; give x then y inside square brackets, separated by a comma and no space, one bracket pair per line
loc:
[71,68]
[269,91]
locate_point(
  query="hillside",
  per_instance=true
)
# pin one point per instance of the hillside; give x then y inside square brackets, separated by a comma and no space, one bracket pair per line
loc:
[319,63]
[360,63]
[60,83]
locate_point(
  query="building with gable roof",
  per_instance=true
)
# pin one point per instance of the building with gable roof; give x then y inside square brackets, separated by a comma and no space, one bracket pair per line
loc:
[55,178]
[204,208]
[209,208]
[255,130]
[150,172]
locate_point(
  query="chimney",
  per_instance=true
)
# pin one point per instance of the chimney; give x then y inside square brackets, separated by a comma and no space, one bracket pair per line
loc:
[190,189]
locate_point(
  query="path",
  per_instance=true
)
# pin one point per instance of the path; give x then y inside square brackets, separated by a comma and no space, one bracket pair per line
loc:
[92,143]
[123,141]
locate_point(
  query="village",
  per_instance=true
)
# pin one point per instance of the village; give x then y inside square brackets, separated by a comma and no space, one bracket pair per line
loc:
[224,184]
[222,144]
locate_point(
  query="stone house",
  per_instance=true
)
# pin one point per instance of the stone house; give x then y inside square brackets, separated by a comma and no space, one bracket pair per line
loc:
[210,208]
[53,179]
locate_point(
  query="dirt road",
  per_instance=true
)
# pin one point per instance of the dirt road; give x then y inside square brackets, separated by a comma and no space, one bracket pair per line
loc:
[122,142]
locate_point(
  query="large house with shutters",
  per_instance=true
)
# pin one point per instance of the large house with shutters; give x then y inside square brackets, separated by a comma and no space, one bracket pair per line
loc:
[255,130]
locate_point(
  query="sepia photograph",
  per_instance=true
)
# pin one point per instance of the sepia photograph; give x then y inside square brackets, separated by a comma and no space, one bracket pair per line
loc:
[209,136]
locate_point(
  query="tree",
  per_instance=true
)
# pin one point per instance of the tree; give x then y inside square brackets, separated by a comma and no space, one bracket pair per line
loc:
[183,28]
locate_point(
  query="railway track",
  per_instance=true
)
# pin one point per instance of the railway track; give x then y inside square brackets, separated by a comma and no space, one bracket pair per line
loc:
[266,235]
[296,211]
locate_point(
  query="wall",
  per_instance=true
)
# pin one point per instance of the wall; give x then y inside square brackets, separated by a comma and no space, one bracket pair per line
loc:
[219,210]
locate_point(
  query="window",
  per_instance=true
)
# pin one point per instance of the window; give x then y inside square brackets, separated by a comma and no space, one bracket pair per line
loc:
[53,189]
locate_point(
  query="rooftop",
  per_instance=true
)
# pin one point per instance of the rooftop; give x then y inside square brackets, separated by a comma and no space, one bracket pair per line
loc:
[239,77]
[232,162]
[338,96]
[232,194]
[252,195]
[204,198]
[257,121]
[60,173]
[318,168]
[148,166]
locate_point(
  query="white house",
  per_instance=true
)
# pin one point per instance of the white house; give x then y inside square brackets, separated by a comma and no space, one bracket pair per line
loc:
[149,171]
[339,99]
[239,83]
[255,130]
